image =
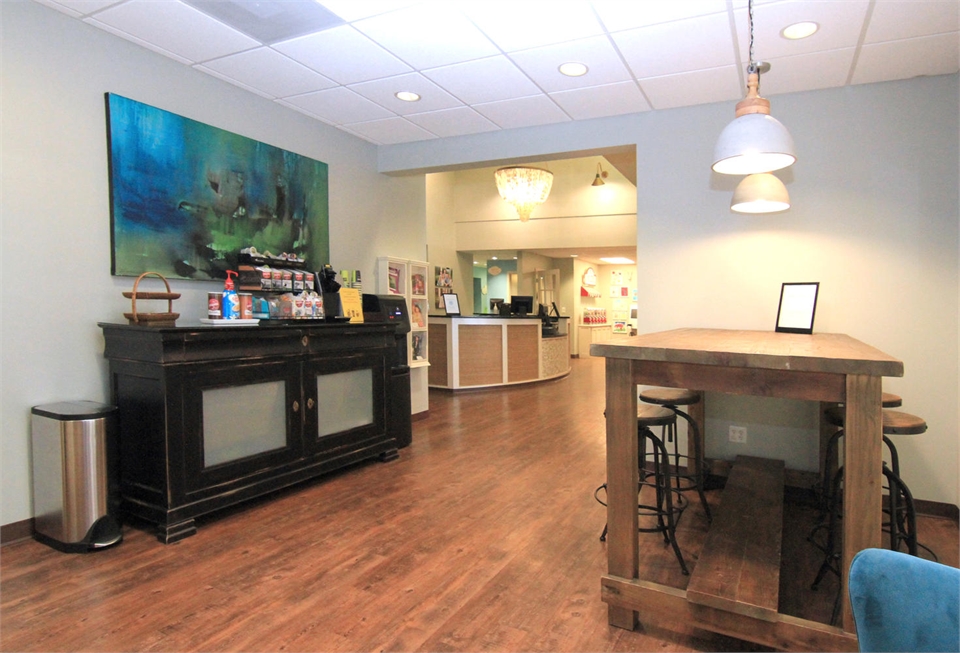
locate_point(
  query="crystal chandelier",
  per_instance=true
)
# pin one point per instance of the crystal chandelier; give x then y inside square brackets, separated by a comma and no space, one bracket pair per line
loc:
[526,188]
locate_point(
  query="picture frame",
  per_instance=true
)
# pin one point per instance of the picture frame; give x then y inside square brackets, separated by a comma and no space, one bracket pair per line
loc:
[798,306]
[451,304]
[186,197]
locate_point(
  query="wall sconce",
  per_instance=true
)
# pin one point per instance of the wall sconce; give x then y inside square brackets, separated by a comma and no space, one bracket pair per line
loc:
[525,188]
[601,175]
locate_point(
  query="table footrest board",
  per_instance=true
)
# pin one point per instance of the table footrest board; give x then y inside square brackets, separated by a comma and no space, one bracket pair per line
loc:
[739,567]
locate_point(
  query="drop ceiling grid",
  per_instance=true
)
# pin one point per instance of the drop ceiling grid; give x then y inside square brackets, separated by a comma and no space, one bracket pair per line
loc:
[476,72]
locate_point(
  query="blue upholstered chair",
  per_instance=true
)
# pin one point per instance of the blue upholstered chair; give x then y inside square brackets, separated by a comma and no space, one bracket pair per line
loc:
[904,603]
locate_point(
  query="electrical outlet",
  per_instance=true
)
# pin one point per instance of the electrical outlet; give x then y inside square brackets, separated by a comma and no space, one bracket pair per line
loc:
[738,434]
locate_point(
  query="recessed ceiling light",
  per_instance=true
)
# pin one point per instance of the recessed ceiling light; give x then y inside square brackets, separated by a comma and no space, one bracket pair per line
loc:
[617,260]
[407,96]
[574,255]
[799,30]
[493,258]
[573,69]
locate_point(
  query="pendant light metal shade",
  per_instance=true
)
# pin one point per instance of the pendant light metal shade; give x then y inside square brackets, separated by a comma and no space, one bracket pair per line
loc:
[524,187]
[760,193]
[752,143]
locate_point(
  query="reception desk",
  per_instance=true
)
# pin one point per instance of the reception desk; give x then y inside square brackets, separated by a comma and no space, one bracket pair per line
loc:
[488,350]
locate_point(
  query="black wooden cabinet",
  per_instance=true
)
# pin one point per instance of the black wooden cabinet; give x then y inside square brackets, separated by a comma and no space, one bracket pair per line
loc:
[212,416]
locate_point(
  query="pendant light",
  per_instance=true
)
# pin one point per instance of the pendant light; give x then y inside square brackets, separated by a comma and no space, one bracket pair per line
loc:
[524,187]
[760,193]
[755,141]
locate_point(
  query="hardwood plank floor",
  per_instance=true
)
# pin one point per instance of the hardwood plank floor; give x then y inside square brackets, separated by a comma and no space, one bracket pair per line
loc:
[483,536]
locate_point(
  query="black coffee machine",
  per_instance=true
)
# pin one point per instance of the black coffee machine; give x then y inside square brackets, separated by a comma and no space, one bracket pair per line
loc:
[392,308]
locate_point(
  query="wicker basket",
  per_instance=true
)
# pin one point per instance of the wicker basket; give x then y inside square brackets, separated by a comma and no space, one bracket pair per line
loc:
[152,319]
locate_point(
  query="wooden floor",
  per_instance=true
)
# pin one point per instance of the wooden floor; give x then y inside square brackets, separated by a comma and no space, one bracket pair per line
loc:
[483,536]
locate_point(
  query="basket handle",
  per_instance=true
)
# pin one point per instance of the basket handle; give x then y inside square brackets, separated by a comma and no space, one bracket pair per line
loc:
[134,293]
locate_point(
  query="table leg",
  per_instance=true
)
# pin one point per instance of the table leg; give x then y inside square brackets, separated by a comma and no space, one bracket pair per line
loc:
[862,472]
[622,482]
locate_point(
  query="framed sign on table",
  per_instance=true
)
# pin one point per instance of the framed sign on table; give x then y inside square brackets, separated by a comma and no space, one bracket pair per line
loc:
[798,305]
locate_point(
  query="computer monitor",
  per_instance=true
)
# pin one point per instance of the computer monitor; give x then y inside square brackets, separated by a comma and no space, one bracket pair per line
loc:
[521,305]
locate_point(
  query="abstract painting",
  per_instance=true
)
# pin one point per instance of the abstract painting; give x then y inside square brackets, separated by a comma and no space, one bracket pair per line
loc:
[186,197]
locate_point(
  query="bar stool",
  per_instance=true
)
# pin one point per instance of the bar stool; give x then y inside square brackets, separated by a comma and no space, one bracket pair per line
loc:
[902,518]
[669,503]
[902,527]
[834,417]
[672,398]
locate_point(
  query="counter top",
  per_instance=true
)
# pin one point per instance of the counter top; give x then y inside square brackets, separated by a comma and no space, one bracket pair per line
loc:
[818,352]
[493,316]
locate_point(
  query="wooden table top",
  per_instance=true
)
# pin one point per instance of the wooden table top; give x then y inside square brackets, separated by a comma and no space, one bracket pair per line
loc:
[818,352]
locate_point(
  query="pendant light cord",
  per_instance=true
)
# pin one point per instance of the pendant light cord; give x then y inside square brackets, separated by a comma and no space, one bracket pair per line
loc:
[752,66]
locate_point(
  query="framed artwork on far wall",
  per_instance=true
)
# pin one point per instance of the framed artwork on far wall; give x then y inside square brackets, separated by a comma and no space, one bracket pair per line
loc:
[798,305]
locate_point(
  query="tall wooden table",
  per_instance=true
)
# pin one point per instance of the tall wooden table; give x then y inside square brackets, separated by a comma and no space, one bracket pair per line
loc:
[822,367]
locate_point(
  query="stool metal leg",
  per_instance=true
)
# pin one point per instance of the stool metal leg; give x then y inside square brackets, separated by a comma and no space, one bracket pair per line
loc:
[693,433]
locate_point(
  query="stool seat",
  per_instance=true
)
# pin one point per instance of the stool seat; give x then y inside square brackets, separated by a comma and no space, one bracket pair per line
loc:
[655,416]
[895,422]
[890,400]
[669,396]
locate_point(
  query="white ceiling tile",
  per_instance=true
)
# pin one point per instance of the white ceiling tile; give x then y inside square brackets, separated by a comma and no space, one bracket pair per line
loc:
[351,10]
[599,101]
[390,131]
[900,20]
[807,72]
[692,44]
[269,71]
[428,36]
[523,112]
[533,23]
[483,80]
[928,55]
[344,55]
[382,91]
[77,8]
[840,26]
[696,87]
[176,27]
[541,64]
[339,106]
[619,15]
[453,122]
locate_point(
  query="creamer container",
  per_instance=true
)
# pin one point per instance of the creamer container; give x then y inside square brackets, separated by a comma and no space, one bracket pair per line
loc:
[246,305]
[231,303]
[213,305]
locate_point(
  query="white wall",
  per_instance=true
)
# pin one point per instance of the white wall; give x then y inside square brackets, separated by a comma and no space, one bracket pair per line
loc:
[56,218]
[875,220]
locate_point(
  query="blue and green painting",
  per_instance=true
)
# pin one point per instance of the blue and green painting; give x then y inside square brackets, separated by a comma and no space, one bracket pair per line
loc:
[186,197]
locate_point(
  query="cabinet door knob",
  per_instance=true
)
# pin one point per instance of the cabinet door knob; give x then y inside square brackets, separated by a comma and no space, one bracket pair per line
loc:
[310,403]
[296,406]
[304,341]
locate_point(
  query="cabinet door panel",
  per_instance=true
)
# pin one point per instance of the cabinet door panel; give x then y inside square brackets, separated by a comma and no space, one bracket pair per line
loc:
[344,400]
[239,421]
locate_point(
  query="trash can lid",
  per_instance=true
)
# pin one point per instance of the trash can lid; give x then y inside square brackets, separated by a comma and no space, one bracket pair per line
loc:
[74,410]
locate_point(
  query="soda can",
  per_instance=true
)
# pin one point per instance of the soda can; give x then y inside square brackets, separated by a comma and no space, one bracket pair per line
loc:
[213,305]
[246,305]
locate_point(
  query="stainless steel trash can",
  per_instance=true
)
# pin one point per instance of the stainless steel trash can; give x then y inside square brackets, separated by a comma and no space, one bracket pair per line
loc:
[73,463]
